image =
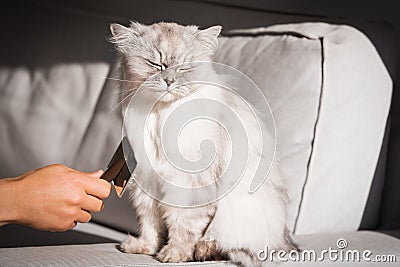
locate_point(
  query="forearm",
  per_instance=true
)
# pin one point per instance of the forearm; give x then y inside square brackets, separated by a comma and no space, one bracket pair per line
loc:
[8,201]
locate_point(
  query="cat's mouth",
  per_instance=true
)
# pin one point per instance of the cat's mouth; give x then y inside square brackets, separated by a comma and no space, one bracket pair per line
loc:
[173,93]
[165,91]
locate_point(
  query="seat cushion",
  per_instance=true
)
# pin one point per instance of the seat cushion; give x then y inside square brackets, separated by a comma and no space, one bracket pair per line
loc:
[108,254]
[81,255]
[380,245]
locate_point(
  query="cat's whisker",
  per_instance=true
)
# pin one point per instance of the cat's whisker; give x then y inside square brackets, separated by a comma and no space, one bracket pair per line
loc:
[122,80]
[118,94]
[131,93]
[179,97]
[121,102]
[151,85]
[141,92]
[194,93]
[183,88]
[201,54]
[126,92]
[185,91]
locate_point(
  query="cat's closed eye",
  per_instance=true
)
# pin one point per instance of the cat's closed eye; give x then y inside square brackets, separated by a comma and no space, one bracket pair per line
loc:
[158,66]
[183,69]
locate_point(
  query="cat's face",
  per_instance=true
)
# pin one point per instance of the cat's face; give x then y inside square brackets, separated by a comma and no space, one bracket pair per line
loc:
[162,54]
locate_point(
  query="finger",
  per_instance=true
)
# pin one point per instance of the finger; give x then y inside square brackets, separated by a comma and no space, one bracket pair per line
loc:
[91,203]
[97,187]
[83,216]
[74,224]
[68,227]
[96,174]
[28,173]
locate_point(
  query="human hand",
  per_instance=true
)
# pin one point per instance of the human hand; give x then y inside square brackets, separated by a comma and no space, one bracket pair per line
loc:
[54,198]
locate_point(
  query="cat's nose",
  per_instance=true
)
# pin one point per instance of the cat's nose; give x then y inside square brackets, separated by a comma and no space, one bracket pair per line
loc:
[169,80]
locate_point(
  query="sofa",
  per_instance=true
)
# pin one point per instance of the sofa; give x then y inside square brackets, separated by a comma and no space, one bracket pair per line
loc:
[330,82]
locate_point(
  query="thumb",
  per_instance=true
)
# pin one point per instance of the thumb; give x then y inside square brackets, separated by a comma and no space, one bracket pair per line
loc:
[96,174]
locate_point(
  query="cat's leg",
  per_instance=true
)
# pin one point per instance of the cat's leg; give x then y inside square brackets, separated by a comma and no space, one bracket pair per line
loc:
[185,228]
[151,228]
[246,223]
[224,238]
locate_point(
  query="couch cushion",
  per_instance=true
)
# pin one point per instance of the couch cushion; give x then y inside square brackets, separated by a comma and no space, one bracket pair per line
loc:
[384,249]
[82,255]
[292,88]
[330,94]
[109,255]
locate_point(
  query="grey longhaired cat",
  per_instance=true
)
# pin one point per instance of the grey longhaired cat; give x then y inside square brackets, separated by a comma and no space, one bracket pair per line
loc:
[236,226]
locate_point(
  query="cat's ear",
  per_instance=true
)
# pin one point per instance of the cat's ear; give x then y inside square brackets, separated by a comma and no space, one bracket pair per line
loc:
[122,37]
[209,37]
[137,28]
[117,29]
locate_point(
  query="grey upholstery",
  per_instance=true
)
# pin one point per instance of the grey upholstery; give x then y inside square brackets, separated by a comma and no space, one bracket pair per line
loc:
[108,254]
[81,26]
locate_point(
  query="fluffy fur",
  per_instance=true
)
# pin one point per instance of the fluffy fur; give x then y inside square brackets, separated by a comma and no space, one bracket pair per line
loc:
[236,226]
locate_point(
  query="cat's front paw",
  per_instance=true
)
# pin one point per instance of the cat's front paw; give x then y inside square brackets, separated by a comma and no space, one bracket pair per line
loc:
[136,245]
[171,253]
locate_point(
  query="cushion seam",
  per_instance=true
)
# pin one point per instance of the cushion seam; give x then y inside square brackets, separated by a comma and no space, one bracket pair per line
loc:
[321,91]
[243,33]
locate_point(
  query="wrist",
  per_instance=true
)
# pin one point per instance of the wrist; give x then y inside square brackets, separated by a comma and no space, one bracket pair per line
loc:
[9,210]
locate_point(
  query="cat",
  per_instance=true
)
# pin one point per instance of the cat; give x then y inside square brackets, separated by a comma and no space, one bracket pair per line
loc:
[237,225]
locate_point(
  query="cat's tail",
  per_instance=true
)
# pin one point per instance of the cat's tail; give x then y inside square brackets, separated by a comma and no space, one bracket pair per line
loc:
[210,251]
[243,258]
